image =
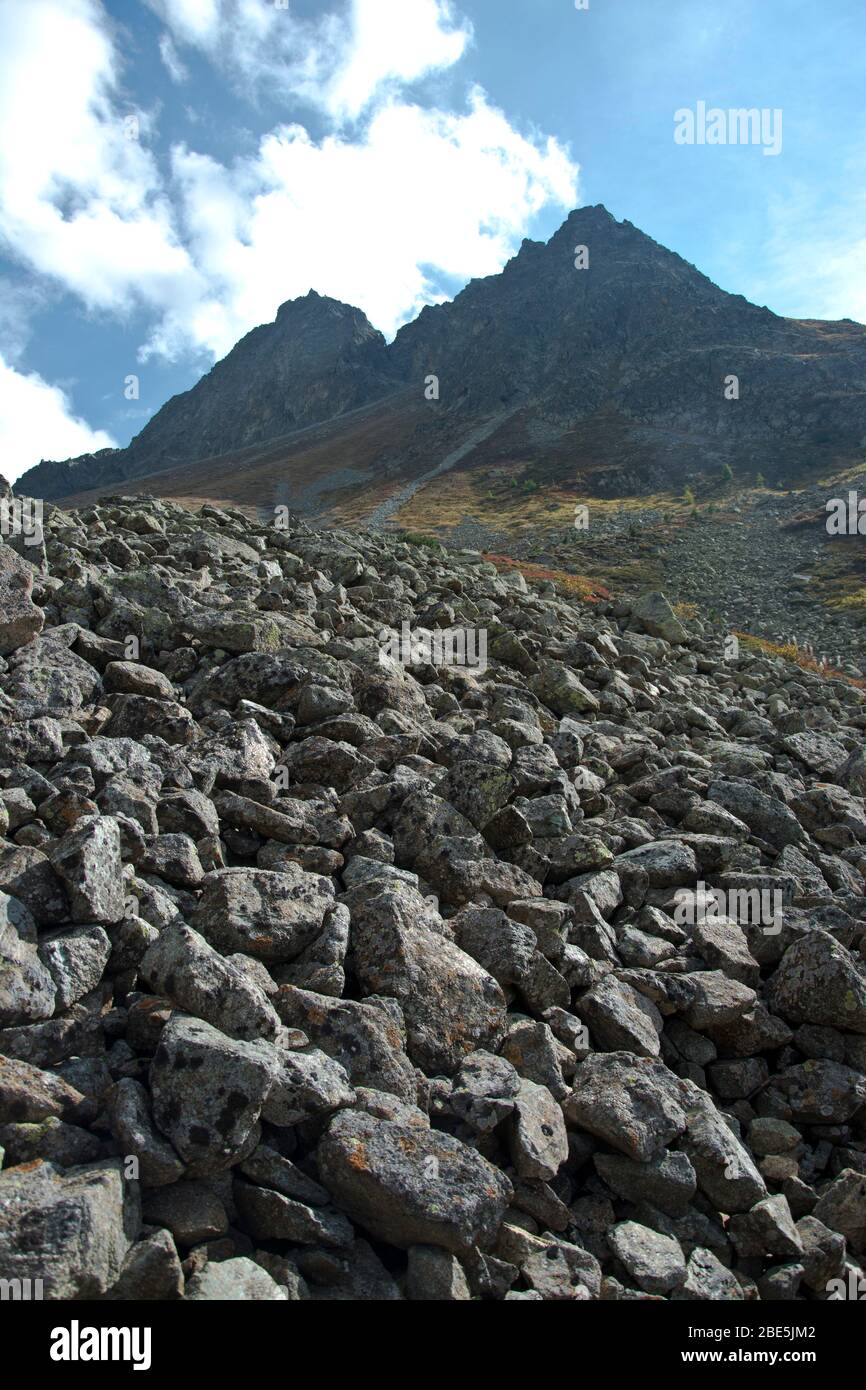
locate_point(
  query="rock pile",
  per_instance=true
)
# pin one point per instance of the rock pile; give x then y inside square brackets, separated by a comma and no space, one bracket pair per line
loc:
[326,977]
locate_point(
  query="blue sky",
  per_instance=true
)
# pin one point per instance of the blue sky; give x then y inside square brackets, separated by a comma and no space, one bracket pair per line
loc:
[383,151]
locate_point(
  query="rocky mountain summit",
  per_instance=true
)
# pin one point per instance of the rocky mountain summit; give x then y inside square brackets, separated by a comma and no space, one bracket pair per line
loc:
[604,353]
[319,358]
[331,974]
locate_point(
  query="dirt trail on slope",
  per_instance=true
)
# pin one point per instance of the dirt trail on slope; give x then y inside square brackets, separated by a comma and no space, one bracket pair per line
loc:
[389,508]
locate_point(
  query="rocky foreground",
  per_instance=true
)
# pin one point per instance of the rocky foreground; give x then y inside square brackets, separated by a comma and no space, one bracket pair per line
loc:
[322,977]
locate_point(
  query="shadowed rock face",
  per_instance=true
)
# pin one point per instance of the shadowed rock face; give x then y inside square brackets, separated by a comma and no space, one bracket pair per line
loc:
[644,337]
[410,982]
[639,342]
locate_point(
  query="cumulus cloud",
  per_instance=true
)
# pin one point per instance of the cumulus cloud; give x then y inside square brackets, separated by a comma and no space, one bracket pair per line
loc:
[80,196]
[392,41]
[340,61]
[36,422]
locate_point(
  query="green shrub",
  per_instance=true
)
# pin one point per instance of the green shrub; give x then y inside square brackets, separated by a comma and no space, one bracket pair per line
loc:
[416,538]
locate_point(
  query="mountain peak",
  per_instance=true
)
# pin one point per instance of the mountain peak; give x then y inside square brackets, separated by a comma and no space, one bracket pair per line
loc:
[314,305]
[596,210]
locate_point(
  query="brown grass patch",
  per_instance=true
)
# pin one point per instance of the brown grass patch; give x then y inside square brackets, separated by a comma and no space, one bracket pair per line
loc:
[573,585]
[788,652]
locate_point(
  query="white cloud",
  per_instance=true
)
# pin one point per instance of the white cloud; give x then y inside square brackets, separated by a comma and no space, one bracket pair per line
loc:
[342,61]
[20,301]
[80,200]
[171,59]
[393,41]
[196,21]
[36,422]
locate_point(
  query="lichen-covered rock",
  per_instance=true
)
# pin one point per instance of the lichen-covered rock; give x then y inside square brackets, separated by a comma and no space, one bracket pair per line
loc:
[133,1128]
[27,989]
[708,1281]
[817,1092]
[842,1207]
[435,1276]
[654,1261]
[190,1210]
[725,1170]
[208,1092]
[269,915]
[410,1186]
[767,1230]
[633,1103]
[621,1018]
[321,966]
[539,1142]
[88,860]
[667,1182]
[270,1215]
[20,618]
[819,981]
[308,1084]
[28,1094]
[70,1230]
[451,1005]
[26,874]
[238,1280]
[76,961]
[181,965]
[151,1272]
[367,1039]
[654,615]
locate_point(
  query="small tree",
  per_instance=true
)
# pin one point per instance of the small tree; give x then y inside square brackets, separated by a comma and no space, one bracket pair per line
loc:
[727,474]
[760,481]
[689,497]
